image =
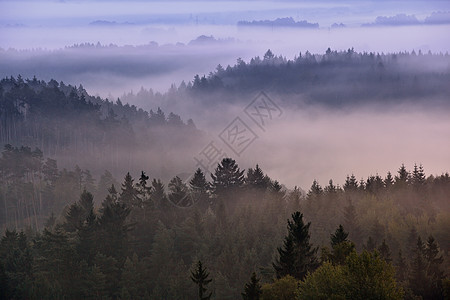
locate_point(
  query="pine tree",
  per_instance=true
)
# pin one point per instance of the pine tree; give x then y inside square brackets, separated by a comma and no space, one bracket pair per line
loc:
[200,277]
[351,184]
[388,181]
[418,176]
[315,191]
[252,290]
[227,178]
[298,256]
[339,236]
[256,179]
[199,187]
[402,179]
[341,246]
[129,194]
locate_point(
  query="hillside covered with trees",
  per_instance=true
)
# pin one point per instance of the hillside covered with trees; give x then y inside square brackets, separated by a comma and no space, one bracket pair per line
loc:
[69,125]
[244,236]
[335,78]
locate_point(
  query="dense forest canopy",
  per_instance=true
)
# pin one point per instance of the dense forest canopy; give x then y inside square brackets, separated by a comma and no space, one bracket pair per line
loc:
[335,78]
[68,124]
[73,245]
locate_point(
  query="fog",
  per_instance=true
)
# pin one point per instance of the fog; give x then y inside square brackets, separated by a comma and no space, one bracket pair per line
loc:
[156,44]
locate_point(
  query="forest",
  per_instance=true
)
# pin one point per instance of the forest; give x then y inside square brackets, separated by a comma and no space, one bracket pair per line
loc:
[243,236]
[69,125]
[334,79]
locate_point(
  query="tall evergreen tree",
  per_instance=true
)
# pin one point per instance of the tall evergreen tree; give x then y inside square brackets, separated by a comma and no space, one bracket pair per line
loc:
[256,179]
[199,187]
[252,289]
[297,257]
[389,180]
[402,179]
[227,178]
[200,277]
[178,192]
[129,195]
[341,246]
[351,184]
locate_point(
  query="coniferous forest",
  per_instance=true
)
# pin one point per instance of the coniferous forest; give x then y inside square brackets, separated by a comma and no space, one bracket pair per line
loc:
[244,236]
[255,150]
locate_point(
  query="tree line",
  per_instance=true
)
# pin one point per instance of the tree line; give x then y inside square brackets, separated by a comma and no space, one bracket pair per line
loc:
[68,124]
[380,238]
[334,78]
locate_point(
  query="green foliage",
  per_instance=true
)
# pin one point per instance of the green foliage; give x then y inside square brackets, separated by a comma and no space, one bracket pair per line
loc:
[297,256]
[284,288]
[363,276]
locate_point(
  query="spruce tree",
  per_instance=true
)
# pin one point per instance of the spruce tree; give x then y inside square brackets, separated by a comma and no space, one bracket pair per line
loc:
[129,194]
[227,178]
[199,187]
[200,277]
[252,290]
[388,181]
[402,179]
[341,246]
[297,257]
[351,184]
[339,236]
[256,179]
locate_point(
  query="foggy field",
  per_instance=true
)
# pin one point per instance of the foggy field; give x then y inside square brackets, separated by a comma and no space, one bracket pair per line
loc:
[224,149]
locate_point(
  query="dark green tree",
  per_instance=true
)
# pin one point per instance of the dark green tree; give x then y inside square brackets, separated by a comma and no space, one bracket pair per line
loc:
[256,179]
[252,289]
[199,187]
[200,277]
[129,195]
[297,257]
[403,177]
[227,178]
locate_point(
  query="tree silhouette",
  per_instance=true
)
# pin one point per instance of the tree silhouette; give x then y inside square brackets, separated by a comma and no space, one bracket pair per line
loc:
[200,277]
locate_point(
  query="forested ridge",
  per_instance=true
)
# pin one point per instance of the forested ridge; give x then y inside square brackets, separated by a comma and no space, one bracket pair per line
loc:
[244,236]
[68,124]
[335,78]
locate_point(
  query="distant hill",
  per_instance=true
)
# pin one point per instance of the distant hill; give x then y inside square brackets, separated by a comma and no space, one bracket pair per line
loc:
[335,78]
[67,123]
[280,22]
